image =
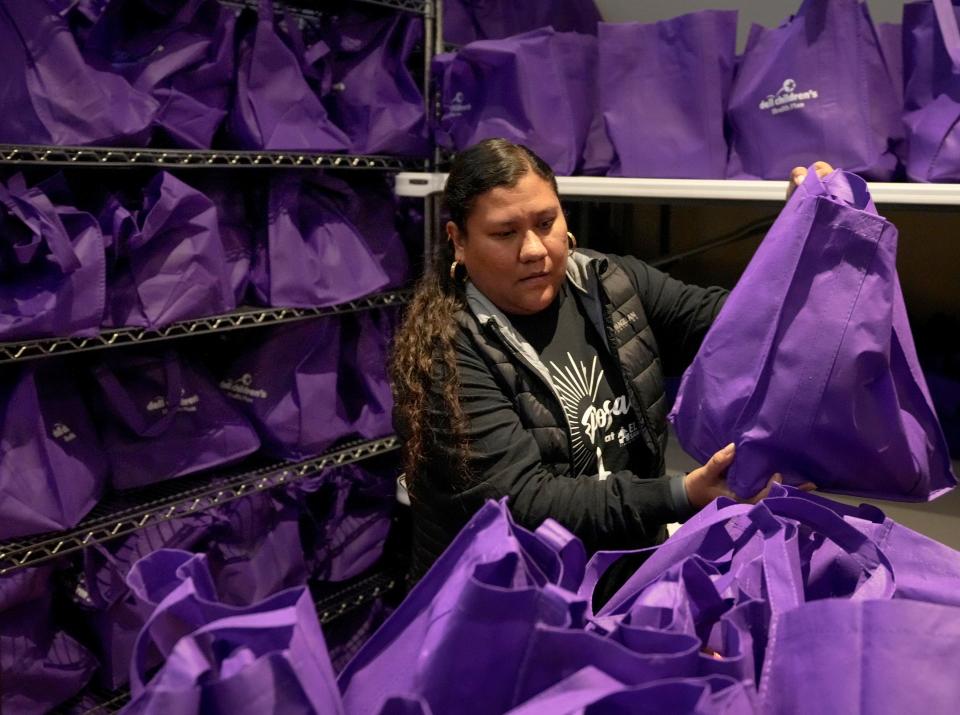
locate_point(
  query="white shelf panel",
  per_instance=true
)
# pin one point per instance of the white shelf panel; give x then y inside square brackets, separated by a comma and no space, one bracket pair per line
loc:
[420,184]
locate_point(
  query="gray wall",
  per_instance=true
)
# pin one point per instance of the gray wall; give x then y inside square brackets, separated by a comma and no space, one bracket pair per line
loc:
[765,12]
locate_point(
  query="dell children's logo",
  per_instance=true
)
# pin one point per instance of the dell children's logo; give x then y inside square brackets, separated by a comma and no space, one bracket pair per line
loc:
[63,433]
[243,389]
[787,98]
[458,105]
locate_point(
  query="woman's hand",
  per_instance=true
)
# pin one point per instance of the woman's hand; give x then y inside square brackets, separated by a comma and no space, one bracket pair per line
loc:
[799,173]
[705,484]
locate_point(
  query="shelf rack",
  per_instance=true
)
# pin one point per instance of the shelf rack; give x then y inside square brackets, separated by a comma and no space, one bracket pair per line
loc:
[115,516]
[120,157]
[308,10]
[422,184]
[237,320]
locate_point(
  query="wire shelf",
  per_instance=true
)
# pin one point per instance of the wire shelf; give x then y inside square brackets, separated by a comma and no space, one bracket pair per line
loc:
[25,154]
[113,519]
[237,320]
[308,10]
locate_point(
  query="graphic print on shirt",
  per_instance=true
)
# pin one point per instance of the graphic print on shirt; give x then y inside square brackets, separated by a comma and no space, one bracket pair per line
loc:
[591,424]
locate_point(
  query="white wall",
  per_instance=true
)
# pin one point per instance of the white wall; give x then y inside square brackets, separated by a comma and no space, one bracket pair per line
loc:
[765,12]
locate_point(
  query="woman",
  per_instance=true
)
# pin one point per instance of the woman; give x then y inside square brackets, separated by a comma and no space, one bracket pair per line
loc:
[531,369]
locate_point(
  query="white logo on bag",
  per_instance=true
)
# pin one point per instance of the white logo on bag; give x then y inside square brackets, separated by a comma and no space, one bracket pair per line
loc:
[242,389]
[62,432]
[458,106]
[188,403]
[788,98]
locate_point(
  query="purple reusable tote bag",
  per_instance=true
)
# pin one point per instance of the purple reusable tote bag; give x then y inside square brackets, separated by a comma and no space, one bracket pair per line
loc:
[364,358]
[49,95]
[268,657]
[507,88]
[663,90]
[298,411]
[313,254]
[863,656]
[52,469]
[52,266]
[40,665]
[162,417]
[374,97]
[273,106]
[931,64]
[166,259]
[810,368]
[817,87]
[180,53]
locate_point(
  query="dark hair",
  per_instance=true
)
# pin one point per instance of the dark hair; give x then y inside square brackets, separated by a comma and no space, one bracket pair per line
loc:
[423,352]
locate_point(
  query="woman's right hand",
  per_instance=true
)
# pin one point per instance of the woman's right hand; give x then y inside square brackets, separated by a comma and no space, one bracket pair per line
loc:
[705,484]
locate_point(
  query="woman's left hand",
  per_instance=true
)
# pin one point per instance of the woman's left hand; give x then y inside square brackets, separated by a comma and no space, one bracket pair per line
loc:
[799,173]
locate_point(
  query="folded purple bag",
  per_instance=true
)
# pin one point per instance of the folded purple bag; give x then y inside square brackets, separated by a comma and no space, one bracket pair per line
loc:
[52,469]
[508,88]
[810,368]
[254,549]
[375,97]
[266,657]
[365,382]
[181,53]
[111,612]
[51,96]
[468,20]
[817,87]
[931,63]
[52,266]
[273,106]
[41,665]
[166,259]
[345,516]
[663,90]
[313,254]
[298,411]
[163,417]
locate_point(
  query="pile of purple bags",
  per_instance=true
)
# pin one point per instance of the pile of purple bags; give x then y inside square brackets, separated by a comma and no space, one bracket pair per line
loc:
[194,74]
[736,608]
[672,99]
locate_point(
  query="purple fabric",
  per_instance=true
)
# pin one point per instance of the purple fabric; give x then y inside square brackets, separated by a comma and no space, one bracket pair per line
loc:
[313,254]
[815,88]
[663,90]
[274,107]
[375,96]
[298,411]
[167,261]
[810,368]
[345,516]
[254,549]
[485,573]
[468,20]
[41,665]
[49,95]
[863,665]
[931,65]
[52,266]
[163,418]
[52,469]
[266,657]
[507,88]
[364,358]
[111,612]
[178,51]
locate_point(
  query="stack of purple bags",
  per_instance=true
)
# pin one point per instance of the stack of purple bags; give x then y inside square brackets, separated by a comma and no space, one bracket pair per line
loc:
[672,100]
[192,74]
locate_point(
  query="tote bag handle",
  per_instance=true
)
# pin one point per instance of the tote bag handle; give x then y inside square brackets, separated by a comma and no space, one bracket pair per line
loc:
[41,216]
[947,20]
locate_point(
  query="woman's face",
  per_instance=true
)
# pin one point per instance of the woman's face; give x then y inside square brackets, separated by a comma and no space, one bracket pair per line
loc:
[515,247]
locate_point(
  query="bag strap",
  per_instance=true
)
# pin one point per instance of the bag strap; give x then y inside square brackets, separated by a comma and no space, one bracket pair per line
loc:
[37,211]
[947,20]
[131,413]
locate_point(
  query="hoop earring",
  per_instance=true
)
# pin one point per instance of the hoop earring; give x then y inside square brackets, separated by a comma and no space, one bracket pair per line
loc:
[453,271]
[571,241]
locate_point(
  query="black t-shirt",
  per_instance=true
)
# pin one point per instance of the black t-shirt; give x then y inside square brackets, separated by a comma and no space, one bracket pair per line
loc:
[604,427]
